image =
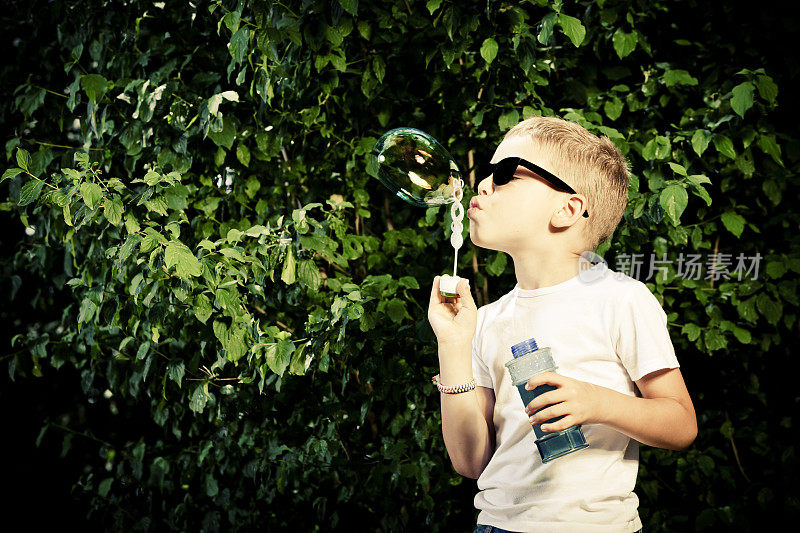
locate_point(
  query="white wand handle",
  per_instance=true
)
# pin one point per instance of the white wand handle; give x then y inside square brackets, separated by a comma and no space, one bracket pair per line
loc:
[457,214]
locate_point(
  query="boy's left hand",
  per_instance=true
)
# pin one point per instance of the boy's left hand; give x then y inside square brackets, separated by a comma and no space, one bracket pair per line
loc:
[579,401]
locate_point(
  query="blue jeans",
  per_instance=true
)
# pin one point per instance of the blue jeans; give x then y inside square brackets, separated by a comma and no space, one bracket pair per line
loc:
[492,529]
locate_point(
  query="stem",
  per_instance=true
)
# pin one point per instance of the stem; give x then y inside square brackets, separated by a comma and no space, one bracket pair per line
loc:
[40,179]
[736,452]
[61,145]
[49,91]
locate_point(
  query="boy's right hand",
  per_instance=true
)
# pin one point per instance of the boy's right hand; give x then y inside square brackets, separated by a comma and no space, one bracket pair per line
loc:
[453,319]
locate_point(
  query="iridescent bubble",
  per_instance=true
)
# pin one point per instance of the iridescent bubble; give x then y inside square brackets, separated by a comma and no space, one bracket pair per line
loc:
[415,167]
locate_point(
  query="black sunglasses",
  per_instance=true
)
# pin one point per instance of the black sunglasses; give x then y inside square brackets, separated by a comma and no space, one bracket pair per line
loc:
[504,170]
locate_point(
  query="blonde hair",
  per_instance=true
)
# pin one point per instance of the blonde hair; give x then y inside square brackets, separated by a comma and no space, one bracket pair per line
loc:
[591,165]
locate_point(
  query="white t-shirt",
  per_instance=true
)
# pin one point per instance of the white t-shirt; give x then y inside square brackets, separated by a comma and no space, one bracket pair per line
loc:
[610,332]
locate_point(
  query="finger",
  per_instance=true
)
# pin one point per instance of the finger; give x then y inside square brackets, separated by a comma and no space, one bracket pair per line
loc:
[464,293]
[566,422]
[554,411]
[543,400]
[435,295]
[545,378]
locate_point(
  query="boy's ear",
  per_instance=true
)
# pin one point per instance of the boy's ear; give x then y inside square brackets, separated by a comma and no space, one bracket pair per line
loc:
[570,212]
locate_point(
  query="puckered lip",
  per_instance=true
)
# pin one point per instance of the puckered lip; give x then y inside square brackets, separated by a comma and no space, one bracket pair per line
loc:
[474,203]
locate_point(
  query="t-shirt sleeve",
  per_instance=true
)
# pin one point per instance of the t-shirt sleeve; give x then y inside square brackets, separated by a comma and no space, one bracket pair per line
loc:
[643,343]
[479,368]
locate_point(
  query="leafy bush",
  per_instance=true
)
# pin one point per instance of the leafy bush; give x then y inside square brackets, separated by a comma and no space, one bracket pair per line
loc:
[197,237]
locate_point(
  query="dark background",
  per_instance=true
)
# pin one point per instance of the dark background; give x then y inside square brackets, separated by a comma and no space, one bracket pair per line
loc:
[39,483]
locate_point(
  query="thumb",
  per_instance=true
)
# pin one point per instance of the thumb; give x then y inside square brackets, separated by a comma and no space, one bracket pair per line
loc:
[464,291]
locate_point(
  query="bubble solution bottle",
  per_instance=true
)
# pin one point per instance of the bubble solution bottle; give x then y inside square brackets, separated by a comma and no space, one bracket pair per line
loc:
[530,360]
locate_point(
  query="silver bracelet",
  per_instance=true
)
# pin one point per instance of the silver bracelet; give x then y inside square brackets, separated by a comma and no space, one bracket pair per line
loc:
[454,390]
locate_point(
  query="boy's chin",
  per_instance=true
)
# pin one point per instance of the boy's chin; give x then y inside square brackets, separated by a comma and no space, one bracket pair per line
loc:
[483,243]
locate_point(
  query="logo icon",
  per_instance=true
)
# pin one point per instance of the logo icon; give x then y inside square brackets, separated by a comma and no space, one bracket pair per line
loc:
[591,267]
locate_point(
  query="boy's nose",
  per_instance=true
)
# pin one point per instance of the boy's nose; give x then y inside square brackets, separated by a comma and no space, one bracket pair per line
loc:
[486,186]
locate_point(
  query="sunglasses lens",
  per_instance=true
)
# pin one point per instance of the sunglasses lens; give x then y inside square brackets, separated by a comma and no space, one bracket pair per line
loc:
[504,171]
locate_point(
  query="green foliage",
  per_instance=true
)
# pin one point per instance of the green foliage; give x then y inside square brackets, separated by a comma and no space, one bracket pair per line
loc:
[206,245]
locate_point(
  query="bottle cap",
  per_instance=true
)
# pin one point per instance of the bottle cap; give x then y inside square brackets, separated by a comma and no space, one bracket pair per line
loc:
[556,445]
[524,347]
[448,286]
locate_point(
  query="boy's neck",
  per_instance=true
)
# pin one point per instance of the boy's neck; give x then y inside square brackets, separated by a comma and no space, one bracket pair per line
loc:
[535,271]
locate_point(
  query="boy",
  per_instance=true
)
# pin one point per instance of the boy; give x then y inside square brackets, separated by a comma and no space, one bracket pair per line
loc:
[564,195]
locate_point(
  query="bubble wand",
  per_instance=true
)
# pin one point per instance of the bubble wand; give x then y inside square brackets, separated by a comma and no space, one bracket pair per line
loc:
[448,284]
[420,171]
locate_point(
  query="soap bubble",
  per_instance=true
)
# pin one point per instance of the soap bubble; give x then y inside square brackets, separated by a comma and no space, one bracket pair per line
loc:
[415,167]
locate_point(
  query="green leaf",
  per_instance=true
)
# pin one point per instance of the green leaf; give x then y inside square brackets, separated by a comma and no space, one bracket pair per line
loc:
[677,169]
[143,350]
[91,194]
[232,339]
[613,108]
[67,215]
[309,275]
[771,309]
[338,60]
[199,398]
[489,50]
[351,6]
[715,340]
[279,354]
[288,275]
[733,222]
[742,98]
[179,255]
[776,269]
[176,371]
[546,31]
[396,309]
[105,486]
[498,264]
[202,308]
[697,187]
[131,224]
[86,311]
[239,44]
[30,192]
[72,174]
[11,173]
[700,141]
[243,154]
[742,335]
[95,86]
[152,178]
[226,136]
[624,43]
[767,88]
[113,209]
[379,68]
[573,28]
[298,364]
[770,147]
[508,120]
[433,5]
[674,199]
[692,331]
[658,147]
[724,145]
[747,309]
[678,77]
[231,96]
[211,487]
[23,158]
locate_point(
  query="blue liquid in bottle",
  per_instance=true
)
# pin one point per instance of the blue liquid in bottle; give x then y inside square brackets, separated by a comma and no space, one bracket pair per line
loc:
[530,360]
